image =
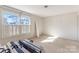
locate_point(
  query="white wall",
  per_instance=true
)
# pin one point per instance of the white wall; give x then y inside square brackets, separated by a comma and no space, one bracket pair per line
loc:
[0,26]
[78,26]
[64,26]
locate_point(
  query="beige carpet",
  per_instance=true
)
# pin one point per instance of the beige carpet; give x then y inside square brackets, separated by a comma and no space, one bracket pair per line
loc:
[54,45]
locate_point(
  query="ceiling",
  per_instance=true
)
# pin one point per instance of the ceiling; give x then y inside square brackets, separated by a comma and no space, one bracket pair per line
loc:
[51,10]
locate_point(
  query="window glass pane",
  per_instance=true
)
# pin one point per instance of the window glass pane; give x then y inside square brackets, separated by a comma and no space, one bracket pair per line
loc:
[11,19]
[25,21]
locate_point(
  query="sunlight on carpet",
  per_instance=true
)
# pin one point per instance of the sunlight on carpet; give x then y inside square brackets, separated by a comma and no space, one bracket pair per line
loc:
[49,39]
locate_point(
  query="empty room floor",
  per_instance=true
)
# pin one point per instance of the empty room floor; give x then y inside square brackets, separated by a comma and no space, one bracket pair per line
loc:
[54,45]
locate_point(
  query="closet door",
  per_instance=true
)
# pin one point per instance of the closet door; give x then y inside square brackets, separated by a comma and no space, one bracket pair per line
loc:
[69,29]
[65,26]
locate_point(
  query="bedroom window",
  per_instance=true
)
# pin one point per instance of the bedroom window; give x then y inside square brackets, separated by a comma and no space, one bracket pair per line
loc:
[10,19]
[25,23]
[13,24]
[10,23]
